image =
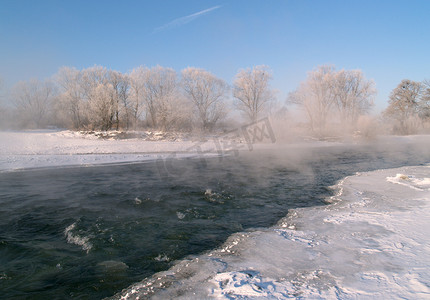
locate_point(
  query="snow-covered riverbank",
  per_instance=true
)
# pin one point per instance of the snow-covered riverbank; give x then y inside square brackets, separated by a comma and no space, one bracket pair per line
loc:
[35,149]
[53,148]
[372,242]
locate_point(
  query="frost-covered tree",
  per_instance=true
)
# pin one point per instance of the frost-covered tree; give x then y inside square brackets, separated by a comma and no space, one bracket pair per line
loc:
[99,95]
[33,100]
[327,93]
[405,105]
[316,96]
[353,95]
[98,98]
[71,96]
[137,93]
[206,92]
[425,100]
[126,103]
[252,91]
[119,98]
[101,106]
[160,92]
[6,120]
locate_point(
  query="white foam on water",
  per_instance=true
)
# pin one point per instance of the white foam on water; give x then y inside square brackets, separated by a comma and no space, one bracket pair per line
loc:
[371,242]
[162,257]
[214,196]
[76,239]
[180,215]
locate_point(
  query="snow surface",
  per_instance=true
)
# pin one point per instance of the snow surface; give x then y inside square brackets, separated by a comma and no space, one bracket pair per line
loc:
[53,148]
[36,149]
[371,242]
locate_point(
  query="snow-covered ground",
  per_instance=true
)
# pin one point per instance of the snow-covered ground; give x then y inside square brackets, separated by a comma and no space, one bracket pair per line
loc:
[34,149]
[372,242]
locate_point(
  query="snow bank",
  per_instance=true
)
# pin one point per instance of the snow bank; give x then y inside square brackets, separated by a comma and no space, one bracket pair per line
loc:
[51,148]
[372,242]
[35,149]
[419,184]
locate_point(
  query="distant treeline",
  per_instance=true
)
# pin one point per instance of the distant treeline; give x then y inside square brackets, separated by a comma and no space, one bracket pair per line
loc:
[158,98]
[102,99]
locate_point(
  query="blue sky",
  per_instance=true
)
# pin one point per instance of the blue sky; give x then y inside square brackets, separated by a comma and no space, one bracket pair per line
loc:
[387,40]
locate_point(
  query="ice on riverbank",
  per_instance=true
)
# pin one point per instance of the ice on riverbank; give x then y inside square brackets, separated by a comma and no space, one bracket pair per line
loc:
[372,242]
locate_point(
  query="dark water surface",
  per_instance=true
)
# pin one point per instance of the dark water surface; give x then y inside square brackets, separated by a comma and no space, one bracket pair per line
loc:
[89,232]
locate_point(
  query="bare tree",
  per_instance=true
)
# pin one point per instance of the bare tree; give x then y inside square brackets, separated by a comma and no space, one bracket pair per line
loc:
[99,95]
[94,91]
[125,101]
[316,97]
[33,100]
[326,89]
[405,105]
[160,90]
[353,95]
[137,93]
[119,97]
[101,106]
[72,96]
[425,100]
[6,120]
[252,91]
[206,92]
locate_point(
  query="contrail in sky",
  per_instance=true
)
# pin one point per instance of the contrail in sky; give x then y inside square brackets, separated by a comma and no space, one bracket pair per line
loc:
[184,20]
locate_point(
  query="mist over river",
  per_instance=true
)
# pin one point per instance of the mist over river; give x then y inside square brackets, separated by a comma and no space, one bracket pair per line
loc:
[89,232]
